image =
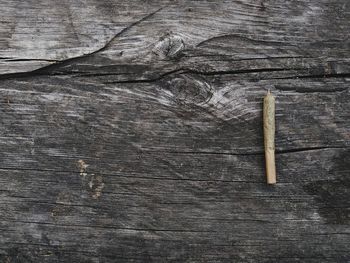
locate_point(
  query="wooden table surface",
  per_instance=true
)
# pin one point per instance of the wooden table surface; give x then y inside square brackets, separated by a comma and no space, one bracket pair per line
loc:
[131,131]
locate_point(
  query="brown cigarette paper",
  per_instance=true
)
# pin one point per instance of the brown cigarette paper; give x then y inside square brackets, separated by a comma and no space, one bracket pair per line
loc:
[269,137]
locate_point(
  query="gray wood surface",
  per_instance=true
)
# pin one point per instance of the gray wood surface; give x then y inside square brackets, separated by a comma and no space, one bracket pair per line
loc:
[131,131]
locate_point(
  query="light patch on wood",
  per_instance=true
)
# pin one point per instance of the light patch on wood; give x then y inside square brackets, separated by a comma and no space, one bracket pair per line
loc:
[96,185]
[82,167]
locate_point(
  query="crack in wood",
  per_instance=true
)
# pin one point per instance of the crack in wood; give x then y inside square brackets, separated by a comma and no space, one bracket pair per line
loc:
[47,69]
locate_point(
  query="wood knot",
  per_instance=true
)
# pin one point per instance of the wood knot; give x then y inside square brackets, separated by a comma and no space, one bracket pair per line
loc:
[188,89]
[169,46]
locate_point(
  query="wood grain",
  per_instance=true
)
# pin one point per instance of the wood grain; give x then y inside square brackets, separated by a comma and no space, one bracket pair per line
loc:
[131,131]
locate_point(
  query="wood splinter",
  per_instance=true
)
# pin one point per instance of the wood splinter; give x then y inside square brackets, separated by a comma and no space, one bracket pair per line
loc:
[269,137]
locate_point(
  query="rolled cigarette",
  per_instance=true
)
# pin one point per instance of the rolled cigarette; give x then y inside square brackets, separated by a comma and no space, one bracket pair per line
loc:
[269,137]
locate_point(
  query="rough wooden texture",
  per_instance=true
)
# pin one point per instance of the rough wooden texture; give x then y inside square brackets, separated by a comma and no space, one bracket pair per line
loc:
[131,131]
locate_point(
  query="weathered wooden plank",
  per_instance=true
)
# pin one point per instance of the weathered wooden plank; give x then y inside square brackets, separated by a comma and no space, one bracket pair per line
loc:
[174,34]
[185,113]
[133,131]
[219,212]
[174,161]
